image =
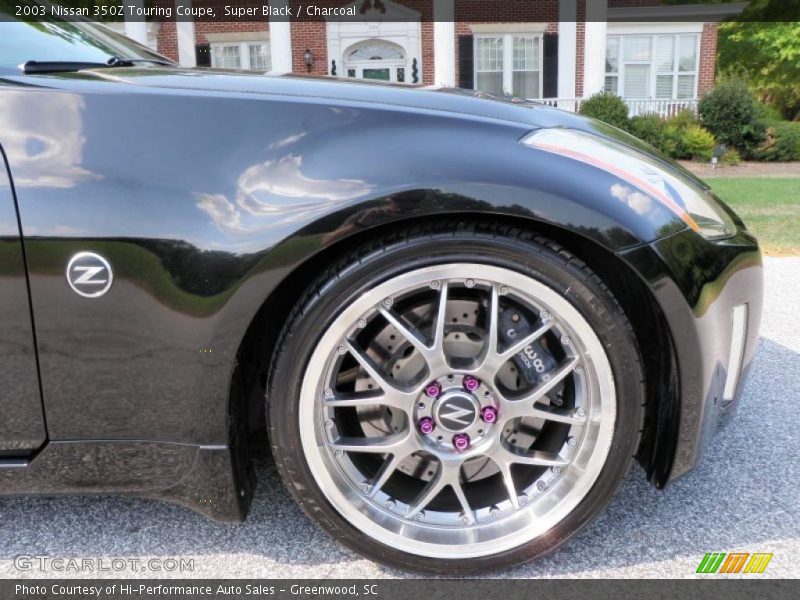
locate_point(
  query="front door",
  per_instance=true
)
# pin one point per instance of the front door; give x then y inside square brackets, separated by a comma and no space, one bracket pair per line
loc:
[376,59]
[21,421]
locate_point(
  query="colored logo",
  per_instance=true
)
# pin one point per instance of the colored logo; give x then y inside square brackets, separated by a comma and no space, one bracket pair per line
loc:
[734,562]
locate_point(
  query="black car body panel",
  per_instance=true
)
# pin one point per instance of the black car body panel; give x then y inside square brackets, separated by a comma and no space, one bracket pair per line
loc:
[22,421]
[207,191]
[697,284]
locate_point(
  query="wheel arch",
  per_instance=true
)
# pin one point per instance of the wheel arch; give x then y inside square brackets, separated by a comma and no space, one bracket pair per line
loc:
[255,353]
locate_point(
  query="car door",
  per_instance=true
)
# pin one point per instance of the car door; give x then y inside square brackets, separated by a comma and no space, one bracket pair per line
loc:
[22,428]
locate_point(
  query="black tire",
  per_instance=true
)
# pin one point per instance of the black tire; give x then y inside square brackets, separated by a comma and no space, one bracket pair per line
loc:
[380,260]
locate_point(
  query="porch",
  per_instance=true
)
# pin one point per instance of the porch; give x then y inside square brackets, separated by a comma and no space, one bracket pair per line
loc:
[664,108]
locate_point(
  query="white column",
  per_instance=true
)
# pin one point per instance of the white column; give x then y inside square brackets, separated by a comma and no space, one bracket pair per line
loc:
[594,53]
[136,30]
[186,40]
[567,47]
[444,43]
[280,40]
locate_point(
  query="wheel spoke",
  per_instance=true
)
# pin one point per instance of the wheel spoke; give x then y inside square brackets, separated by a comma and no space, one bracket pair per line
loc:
[492,310]
[389,444]
[390,399]
[569,417]
[371,368]
[535,458]
[516,409]
[490,360]
[555,378]
[386,471]
[428,493]
[441,319]
[526,341]
[508,480]
[462,499]
[408,332]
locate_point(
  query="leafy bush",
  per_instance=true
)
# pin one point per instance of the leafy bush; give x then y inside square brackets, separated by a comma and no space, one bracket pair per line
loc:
[729,112]
[698,143]
[608,108]
[683,119]
[782,142]
[674,129]
[766,113]
[731,157]
[651,129]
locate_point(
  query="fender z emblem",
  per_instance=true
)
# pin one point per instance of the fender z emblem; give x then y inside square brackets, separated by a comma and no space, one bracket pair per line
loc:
[89,275]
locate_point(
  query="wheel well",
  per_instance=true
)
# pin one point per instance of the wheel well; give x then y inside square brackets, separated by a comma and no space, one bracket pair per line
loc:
[662,402]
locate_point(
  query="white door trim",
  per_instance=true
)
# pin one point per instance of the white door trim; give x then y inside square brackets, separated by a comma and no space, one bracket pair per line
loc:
[407,34]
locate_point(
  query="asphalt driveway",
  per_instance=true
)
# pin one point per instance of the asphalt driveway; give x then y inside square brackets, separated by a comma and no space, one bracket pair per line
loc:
[743,497]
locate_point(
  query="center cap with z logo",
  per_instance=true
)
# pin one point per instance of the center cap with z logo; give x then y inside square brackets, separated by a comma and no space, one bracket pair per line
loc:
[456,411]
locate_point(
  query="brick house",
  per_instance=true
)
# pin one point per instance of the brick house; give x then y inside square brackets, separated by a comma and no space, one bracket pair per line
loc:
[659,58]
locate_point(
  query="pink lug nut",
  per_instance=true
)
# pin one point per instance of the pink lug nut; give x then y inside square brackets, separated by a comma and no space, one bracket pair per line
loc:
[461,442]
[489,414]
[426,425]
[471,384]
[433,390]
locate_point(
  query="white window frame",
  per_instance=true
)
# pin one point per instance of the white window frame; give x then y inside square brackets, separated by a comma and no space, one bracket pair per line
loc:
[654,72]
[508,56]
[244,51]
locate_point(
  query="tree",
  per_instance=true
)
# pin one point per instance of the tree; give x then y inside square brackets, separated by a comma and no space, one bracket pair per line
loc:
[767,57]
[762,47]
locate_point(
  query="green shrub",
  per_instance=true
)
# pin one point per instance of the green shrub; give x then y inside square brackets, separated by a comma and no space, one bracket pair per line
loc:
[683,119]
[765,113]
[731,157]
[650,128]
[608,108]
[781,144]
[698,143]
[672,141]
[674,129]
[729,112]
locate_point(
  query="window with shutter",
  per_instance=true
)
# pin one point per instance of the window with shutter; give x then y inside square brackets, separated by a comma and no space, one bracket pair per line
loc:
[509,64]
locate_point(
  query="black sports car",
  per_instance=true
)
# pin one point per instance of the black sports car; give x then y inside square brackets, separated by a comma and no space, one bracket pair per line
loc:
[457,318]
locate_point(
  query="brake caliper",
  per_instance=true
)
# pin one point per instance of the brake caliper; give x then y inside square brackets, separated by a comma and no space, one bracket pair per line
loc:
[534,361]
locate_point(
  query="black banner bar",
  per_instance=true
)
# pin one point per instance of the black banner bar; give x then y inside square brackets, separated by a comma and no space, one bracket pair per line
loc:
[715,587]
[376,10]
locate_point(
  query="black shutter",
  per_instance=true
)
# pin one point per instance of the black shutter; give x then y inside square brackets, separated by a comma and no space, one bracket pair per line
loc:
[202,55]
[466,78]
[550,76]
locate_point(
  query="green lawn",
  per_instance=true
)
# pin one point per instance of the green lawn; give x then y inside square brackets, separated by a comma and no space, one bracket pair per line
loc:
[769,207]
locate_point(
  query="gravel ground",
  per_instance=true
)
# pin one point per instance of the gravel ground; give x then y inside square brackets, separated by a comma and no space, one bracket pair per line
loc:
[742,497]
[745,169]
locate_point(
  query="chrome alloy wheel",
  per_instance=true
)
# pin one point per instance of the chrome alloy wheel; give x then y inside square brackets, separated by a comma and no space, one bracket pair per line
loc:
[437,424]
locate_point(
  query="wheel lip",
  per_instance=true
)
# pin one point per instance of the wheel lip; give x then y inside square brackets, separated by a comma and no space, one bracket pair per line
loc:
[347,502]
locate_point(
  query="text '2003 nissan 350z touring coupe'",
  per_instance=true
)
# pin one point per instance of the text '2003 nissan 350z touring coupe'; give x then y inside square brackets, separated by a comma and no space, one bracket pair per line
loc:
[458,319]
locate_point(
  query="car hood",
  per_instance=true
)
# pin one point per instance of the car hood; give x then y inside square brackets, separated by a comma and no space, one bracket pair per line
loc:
[456,101]
[453,100]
